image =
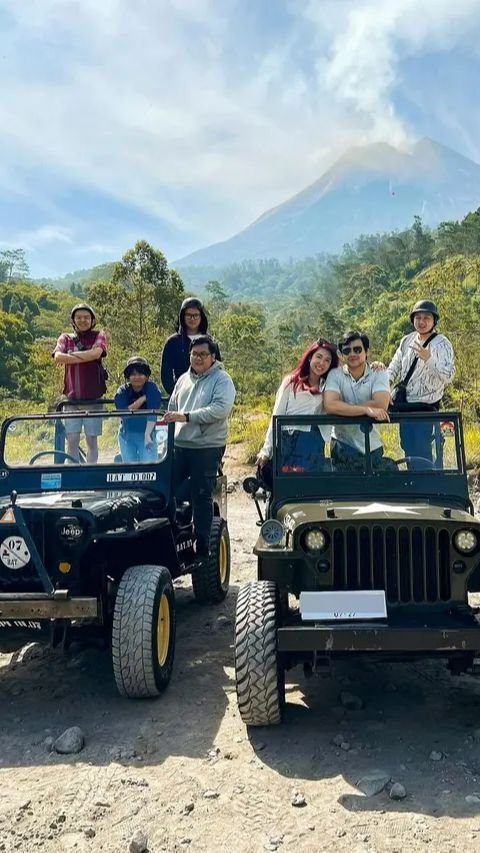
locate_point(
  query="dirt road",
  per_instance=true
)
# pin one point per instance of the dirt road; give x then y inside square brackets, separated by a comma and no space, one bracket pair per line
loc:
[184,769]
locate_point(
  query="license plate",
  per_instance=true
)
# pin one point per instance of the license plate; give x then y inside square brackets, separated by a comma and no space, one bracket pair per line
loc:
[133,477]
[331,606]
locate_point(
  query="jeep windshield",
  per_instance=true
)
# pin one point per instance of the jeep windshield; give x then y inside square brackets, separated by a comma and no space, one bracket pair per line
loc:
[330,457]
[330,445]
[42,440]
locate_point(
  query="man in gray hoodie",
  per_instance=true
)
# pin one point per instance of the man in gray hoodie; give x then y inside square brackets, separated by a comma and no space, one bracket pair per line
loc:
[200,404]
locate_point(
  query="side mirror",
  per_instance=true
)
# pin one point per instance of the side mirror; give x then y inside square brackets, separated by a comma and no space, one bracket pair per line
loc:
[251,485]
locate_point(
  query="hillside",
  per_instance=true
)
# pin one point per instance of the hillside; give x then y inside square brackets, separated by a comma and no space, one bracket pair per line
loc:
[368,190]
[79,277]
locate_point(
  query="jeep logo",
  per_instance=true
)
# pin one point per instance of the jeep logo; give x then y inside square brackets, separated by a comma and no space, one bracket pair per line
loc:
[71,532]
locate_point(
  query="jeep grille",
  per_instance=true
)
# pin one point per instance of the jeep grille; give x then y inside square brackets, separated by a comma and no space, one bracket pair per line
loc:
[410,563]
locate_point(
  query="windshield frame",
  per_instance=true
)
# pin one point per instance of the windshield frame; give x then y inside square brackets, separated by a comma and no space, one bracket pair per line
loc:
[154,476]
[435,485]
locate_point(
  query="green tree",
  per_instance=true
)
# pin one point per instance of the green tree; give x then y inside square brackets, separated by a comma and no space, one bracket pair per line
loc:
[217,297]
[423,244]
[13,265]
[15,347]
[243,349]
[156,292]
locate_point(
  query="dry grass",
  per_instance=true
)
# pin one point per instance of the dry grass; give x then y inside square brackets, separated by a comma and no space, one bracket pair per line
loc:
[249,429]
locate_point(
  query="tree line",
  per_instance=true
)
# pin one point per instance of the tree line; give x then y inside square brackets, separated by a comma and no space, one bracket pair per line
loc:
[263,313]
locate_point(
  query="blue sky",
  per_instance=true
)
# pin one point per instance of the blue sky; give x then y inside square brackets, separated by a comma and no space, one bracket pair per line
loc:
[182,121]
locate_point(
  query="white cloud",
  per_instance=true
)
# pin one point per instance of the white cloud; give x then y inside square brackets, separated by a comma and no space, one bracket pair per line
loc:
[167,106]
[38,238]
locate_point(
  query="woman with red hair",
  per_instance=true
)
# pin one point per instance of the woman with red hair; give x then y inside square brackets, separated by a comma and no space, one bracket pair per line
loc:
[301,393]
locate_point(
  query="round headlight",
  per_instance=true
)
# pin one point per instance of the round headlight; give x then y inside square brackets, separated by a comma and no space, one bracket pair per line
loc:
[465,541]
[315,540]
[272,531]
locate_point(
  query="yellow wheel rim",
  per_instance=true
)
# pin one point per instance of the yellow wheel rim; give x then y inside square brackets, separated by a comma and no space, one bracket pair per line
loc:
[223,560]
[163,630]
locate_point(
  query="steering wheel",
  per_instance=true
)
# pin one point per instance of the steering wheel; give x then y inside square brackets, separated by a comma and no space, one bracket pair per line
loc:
[52,453]
[426,463]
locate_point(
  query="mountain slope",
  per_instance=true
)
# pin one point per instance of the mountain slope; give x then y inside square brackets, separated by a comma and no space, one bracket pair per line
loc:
[369,189]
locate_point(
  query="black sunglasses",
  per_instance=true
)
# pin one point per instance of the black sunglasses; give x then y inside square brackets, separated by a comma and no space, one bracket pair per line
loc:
[348,350]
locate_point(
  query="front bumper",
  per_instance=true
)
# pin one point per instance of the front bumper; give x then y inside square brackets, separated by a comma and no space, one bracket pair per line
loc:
[38,606]
[368,637]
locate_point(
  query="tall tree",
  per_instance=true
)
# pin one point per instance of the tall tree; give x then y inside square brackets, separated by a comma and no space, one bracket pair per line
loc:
[217,297]
[13,265]
[423,243]
[156,291]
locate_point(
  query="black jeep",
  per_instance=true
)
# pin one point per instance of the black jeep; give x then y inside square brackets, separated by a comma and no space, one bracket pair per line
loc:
[94,548]
[361,552]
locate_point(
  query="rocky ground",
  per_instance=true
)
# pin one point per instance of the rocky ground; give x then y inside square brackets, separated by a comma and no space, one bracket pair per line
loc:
[377,758]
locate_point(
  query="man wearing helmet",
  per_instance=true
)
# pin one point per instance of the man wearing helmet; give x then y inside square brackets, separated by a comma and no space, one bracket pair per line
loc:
[84,377]
[137,435]
[431,355]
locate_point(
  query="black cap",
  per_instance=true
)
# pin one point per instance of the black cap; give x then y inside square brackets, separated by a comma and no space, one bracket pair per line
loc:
[425,305]
[137,364]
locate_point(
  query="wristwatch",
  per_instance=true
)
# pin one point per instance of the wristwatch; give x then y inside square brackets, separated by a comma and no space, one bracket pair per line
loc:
[186,416]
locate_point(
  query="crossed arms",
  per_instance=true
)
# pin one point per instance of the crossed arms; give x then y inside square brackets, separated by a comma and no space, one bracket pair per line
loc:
[375,408]
[77,357]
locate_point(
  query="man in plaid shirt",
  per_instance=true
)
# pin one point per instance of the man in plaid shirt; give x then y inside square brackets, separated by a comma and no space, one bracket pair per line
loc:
[84,379]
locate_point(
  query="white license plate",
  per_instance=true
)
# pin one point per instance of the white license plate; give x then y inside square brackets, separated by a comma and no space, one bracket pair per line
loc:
[357,605]
[133,477]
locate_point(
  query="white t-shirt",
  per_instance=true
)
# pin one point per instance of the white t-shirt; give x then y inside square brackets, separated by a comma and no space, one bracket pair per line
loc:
[289,403]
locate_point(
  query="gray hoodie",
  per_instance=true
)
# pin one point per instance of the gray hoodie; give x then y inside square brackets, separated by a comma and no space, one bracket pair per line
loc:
[208,398]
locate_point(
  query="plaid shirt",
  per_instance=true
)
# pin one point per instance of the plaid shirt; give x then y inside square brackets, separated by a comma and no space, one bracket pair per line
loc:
[84,380]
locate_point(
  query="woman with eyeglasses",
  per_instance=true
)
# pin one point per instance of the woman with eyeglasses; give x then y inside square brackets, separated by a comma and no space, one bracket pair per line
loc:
[192,321]
[301,393]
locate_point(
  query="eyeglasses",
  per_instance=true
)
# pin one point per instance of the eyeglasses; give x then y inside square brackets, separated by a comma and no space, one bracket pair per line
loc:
[349,350]
[192,316]
[200,355]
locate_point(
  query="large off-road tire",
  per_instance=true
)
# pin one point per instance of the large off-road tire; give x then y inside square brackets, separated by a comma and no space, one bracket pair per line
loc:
[210,579]
[143,632]
[259,675]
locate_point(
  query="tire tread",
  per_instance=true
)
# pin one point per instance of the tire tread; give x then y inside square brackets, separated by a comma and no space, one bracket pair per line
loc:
[207,588]
[132,653]
[259,693]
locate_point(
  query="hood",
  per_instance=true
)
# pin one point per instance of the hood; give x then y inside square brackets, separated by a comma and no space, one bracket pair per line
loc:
[192,302]
[93,501]
[294,514]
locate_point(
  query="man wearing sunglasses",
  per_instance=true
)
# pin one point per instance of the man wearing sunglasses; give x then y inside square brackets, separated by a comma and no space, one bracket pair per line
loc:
[352,390]
[200,404]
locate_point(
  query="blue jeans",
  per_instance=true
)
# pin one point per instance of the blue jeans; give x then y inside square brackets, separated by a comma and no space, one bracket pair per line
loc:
[416,440]
[132,447]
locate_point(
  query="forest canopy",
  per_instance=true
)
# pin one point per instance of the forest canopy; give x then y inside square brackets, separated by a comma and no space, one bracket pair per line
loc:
[263,313]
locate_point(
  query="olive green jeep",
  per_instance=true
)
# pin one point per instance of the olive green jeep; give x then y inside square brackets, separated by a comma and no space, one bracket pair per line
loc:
[360,552]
